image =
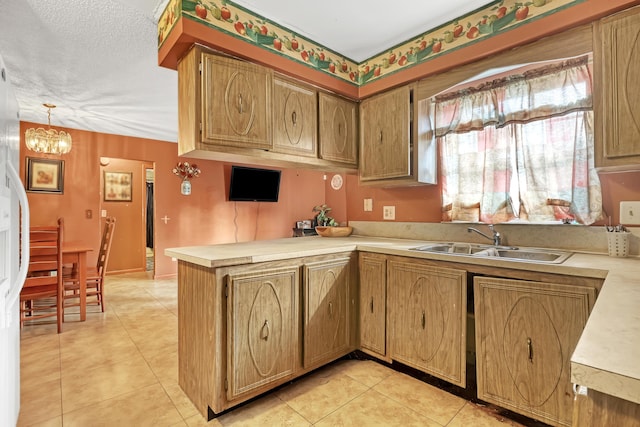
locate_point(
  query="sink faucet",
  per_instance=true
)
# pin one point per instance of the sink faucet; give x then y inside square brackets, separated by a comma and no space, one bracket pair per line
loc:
[495,238]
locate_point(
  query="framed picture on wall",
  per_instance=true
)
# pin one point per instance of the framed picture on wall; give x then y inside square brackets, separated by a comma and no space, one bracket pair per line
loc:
[45,175]
[117,186]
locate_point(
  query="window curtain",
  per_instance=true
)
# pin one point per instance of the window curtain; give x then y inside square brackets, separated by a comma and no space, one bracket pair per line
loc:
[520,148]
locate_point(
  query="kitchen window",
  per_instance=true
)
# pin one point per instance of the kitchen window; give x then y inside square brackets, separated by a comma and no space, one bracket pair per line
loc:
[520,148]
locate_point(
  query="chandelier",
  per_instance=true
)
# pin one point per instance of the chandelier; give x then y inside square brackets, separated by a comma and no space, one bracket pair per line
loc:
[48,141]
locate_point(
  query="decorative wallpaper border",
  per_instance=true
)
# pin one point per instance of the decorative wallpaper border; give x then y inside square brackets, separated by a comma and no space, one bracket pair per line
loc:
[225,16]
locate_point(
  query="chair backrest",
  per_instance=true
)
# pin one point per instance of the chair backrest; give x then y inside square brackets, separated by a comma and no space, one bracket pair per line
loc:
[105,245]
[45,255]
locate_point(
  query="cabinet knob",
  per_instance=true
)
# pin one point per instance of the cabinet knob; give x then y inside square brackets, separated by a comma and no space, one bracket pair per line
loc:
[371,305]
[240,109]
[530,349]
[424,320]
[330,309]
[294,118]
[265,330]
[380,137]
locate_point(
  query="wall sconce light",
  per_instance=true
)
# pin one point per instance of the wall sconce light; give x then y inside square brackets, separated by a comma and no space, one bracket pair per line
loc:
[186,171]
[48,141]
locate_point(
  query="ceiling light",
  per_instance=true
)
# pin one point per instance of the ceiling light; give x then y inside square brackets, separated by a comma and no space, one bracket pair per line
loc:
[48,141]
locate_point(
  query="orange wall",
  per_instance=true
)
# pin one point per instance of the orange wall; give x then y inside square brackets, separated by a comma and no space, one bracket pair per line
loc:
[422,203]
[204,217]
[413,204]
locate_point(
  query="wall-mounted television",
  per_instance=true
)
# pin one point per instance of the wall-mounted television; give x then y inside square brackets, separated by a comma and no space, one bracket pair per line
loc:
[254,185]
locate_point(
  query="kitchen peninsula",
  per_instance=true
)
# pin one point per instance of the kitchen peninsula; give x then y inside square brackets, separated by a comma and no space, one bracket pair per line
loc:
[300,299]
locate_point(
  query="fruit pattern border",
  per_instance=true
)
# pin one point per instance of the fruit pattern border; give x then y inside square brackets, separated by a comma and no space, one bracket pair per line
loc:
[485,22]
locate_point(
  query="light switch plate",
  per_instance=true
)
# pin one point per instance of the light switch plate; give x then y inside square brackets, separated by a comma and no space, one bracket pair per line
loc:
[368,205]
[389,212]
[630,213]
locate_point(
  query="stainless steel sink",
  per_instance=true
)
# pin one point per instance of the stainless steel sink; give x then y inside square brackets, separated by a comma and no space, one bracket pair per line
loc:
[513,253]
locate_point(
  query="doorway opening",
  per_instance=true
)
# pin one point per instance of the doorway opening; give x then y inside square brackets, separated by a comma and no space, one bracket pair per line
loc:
[150,252]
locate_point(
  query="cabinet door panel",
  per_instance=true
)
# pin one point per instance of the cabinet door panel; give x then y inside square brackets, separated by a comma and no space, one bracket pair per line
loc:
[529,334]
[525,334]
[262,328]
[427,320]
[616,55]
[295,118]
[385,136]
[338,120]
[236,98]
[373,302]
[326,308]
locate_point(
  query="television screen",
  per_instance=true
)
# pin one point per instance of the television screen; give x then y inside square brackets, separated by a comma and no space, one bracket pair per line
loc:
[254,185]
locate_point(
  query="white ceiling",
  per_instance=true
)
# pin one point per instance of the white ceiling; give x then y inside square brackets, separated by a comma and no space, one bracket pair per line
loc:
[97,60]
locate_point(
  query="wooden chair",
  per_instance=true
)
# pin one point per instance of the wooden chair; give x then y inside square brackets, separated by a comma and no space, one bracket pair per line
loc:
[42,294]
[95,275]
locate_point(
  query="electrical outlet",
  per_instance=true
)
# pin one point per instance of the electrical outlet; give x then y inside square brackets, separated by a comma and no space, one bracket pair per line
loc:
[368,205]
[389,212]
[630,213]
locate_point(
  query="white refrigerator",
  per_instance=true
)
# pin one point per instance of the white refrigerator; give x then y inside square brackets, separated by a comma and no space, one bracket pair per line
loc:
[14,214]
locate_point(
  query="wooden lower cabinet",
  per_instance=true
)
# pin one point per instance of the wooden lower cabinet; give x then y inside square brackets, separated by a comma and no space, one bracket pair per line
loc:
[262,328]
[427,318]
[246,329]
[597,409]
[243,329]
[373,304]
[328,311]
[525,335]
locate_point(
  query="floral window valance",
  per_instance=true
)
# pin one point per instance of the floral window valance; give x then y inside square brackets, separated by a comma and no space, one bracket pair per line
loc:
[544,92]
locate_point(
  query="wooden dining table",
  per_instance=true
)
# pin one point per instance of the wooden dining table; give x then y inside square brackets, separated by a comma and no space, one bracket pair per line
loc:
[75,252]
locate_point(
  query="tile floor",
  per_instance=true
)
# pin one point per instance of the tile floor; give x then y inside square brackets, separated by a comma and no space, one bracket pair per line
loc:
[119,368]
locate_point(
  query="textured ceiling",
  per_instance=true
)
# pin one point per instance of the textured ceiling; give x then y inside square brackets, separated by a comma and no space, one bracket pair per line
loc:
[97,60]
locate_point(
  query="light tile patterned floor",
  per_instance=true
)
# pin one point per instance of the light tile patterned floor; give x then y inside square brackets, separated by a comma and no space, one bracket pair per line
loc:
[119,368]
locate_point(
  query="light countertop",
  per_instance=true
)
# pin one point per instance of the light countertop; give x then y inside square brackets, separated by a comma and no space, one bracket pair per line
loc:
[607,357]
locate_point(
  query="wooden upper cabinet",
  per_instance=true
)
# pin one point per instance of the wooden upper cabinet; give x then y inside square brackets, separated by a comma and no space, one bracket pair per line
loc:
[338,120]
[617,90]
[385,122]
[235,111]
[397,147]
[294,118]
[236,101]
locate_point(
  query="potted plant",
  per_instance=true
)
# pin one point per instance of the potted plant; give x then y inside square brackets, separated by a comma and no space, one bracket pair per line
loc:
[322,217]
[327,226]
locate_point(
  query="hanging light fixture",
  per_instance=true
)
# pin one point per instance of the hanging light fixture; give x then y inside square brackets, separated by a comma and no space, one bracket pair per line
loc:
[48,141]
